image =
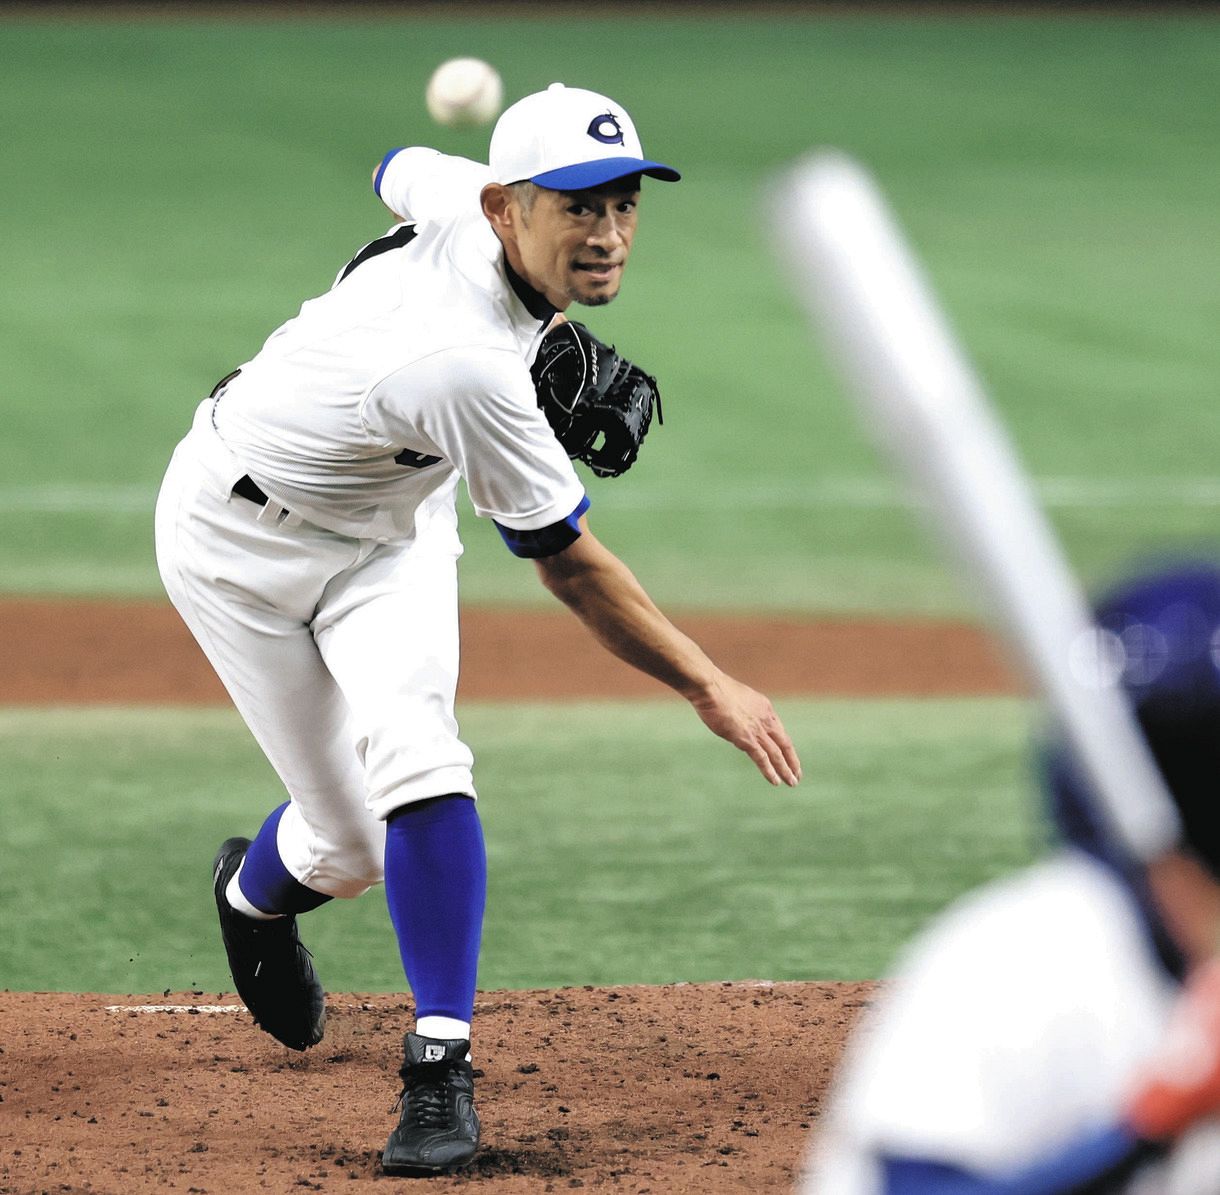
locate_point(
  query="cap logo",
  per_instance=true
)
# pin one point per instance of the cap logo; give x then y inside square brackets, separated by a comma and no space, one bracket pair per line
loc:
[606,129]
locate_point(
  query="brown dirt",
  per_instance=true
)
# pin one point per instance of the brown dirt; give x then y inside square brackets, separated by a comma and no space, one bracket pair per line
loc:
[707,1088]
[64,651]
[703,1088]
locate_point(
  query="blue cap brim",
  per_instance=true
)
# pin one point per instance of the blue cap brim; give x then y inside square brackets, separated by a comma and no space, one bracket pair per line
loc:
[592,174]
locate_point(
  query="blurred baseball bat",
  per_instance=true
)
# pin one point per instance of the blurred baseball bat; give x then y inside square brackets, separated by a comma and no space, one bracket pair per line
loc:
[917,393]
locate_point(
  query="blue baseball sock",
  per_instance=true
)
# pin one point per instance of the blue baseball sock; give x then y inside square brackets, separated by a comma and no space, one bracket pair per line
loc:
[436,887]
[266,883]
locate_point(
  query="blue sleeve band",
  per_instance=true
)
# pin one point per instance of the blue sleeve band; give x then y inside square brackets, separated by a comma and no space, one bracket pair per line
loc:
[545,541]
[1090,1163]
[381,170]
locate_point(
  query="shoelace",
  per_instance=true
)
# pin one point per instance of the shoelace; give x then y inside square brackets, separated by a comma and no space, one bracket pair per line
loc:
[425,1085]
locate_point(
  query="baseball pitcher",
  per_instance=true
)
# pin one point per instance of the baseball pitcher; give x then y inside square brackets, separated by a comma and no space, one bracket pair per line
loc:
[307,533]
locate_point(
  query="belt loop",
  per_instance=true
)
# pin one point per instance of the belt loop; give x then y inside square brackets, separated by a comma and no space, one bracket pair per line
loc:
[272,512]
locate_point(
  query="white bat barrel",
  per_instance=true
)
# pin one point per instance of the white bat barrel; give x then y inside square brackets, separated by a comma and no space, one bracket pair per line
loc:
[864,290]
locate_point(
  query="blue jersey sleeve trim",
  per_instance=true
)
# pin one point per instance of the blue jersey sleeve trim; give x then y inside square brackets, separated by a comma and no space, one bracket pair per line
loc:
[381,169]
[545,541]
[1089,1164]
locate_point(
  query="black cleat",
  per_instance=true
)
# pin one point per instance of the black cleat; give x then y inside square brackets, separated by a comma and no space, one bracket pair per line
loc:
[272,971]
[438,1131]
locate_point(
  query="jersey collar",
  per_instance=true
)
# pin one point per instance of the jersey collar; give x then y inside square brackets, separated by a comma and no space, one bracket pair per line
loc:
[534,301]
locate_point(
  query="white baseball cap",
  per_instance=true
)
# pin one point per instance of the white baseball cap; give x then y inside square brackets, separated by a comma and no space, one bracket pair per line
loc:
[568,139]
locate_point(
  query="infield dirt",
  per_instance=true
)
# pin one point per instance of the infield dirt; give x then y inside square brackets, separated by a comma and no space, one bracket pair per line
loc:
[683,1088]
[63,651]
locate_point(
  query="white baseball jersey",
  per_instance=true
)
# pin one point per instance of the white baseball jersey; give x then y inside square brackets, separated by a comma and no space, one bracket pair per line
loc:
[359,414]
[330,611]
[1014,1026]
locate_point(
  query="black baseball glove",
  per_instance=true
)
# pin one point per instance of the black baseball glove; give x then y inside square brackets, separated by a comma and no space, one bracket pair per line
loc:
[597,402]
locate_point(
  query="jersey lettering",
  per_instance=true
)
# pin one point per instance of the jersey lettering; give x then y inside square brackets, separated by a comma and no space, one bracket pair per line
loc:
[415,460]
[401,236]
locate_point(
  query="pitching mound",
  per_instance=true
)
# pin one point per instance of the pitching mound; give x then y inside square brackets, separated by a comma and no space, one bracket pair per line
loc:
[705,1087]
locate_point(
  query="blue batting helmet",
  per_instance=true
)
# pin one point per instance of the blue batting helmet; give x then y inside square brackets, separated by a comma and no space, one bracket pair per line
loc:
[1163,628]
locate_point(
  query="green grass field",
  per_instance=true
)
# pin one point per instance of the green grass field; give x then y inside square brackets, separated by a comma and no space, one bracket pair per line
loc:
[644,853]
[174,189]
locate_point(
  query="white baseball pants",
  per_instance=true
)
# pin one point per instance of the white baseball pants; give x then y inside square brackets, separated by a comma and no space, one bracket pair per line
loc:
[341,655]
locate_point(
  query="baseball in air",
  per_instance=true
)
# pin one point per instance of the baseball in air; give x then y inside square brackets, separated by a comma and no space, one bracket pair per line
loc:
[465,92]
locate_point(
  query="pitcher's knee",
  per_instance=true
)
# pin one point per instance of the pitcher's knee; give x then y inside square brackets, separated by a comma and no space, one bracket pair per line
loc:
[349,870]
[340,861]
